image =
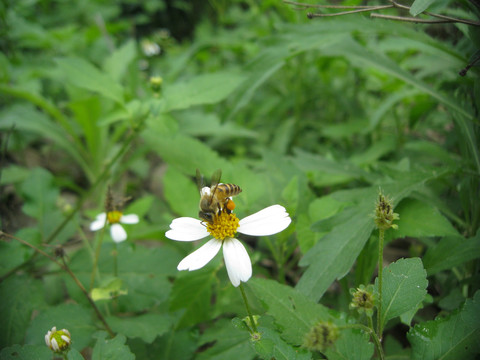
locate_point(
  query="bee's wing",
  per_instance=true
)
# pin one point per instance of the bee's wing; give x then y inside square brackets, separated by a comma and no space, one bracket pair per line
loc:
[215,181]
[200,181]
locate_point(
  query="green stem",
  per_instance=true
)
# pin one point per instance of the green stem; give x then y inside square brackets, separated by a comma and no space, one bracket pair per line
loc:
[380,282]
[374,336]
[252,321]
[115,259]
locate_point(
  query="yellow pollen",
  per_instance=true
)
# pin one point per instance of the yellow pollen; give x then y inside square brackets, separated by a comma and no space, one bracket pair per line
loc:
[223,226]
[114,216]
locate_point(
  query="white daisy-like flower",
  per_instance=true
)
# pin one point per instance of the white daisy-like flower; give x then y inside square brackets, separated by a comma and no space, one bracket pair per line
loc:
[58,341]
[223,228]
[114,219]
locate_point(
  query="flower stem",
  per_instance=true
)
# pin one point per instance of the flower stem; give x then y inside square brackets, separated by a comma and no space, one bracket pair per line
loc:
[247,306]
[97,255]
[374,336]
[380,282]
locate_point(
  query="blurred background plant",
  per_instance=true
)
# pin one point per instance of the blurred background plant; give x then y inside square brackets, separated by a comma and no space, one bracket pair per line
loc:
[315,115]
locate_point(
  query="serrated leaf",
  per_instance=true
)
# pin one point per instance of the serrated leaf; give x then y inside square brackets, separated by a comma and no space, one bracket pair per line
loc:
[293,312]
[84,75]
[111,349]
[352,344]
[404,287]
[418,219]
[192,291]
[333,255]
[20,297]
[146,327]
[77,319]
[229,343]
[272,346]
[26,352]
[202,89]
[450,338]
[451,251]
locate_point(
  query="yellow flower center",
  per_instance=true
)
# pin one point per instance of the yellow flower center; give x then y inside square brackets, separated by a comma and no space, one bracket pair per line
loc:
[223,225]
[113,217]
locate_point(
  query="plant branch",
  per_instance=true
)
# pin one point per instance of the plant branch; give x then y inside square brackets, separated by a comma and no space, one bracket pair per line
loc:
[65,267]
[374,336]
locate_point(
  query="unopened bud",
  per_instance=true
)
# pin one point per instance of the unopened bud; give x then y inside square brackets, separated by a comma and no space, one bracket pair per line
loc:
[58,341]
[321,336]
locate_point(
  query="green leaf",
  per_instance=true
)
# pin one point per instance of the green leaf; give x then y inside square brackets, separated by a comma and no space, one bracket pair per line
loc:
[450,338]
[334,254]
[26,352]
[77,319]
[451,251]
[420,6]
[418,219]
[84,75]
[352,344]
[20,296]
[146,327]
[111,349]
[272,346]
[117,63]
[202,89]
[293,312]
[181,193]
[229,343]
[404,287]
[192,291]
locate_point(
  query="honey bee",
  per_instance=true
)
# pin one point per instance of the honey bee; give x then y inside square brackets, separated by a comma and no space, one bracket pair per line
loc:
[216,198]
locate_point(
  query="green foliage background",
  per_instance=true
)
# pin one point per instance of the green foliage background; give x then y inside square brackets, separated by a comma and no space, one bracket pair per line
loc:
[315,115]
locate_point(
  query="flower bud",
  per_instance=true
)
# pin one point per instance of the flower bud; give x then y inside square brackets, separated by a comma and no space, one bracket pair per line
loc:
[156,83]
[321,336]
[384,215]
[58,341]
[363,299]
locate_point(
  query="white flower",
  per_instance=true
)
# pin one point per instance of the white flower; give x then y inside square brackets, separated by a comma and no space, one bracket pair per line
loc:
[268,221]
[114,218]
[58,341]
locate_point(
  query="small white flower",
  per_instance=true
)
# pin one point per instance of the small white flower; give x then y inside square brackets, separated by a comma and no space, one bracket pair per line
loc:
[58,341]
[114,218]
[268,221]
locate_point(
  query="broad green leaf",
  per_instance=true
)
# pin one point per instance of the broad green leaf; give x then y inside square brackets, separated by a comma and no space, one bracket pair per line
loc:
[185,153]
[146,327]
[272,346]
[20,296]
[117,63]
[404,287]
[181,193]
[80,73]
[109,290]
[418,219]
[292,311]
[192,291]
[229,343]
[26,352]
[449,338]
[333,255]
[13,174]
[352,344]
[77,319]
[451,251]
[420,6]
[202,89]
[111,349]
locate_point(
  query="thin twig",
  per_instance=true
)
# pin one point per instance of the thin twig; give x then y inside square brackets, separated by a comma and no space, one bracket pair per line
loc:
[410,19]
[372,8]
[65,267]
[309,6]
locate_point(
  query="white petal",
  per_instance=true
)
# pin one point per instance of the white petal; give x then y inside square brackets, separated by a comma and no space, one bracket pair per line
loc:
[268,221]
[200,257]
[99,222]
[118,233]
[129,219]
[47,339]
[237,261]
[55,345]
[186,229]
[66,339]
